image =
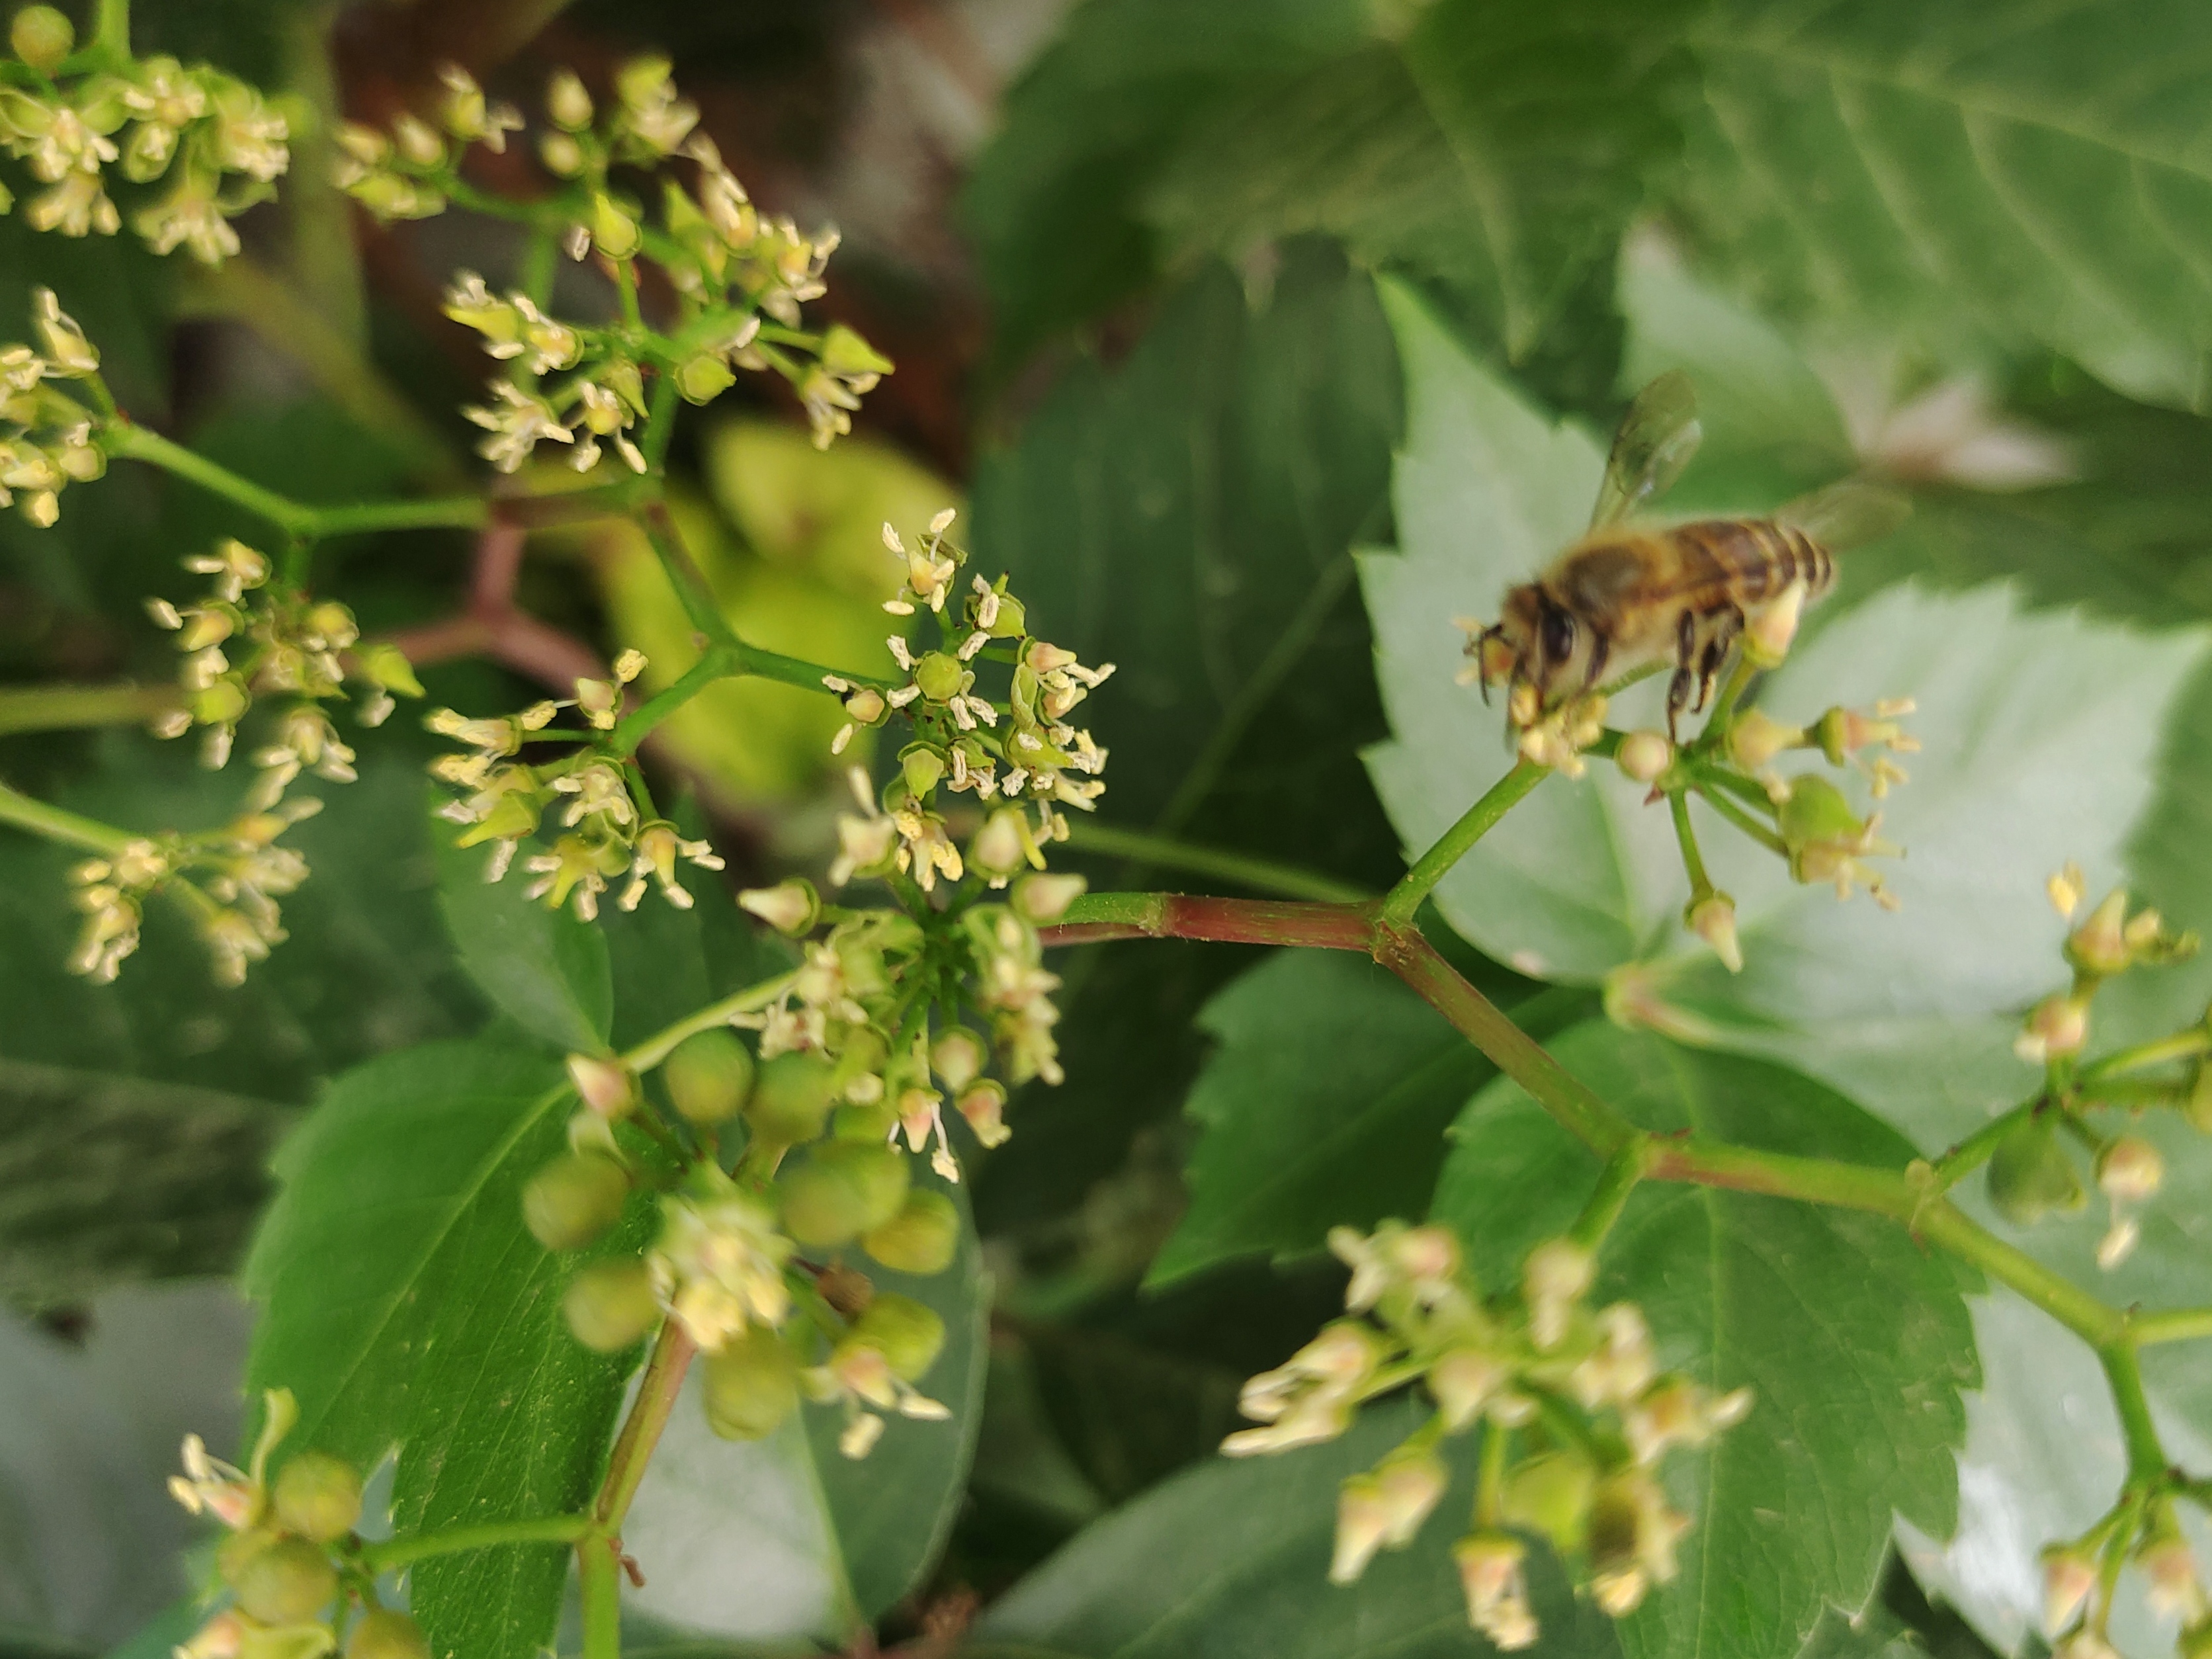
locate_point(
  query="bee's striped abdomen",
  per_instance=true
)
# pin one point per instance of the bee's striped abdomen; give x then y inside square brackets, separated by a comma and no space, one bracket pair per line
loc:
[1750,559]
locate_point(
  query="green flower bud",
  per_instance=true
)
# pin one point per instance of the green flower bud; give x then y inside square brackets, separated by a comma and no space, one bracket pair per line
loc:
[844,1188]
[607,1086]
[567,101]
[573,1199]
[614,233]
[290,1583]
[920,1238]
[709,1076]
[1816,810]
[869,1123]
[1011,621]
[1645,755]
[318,1496]
[386,666]
[222,702]
[1551,1495]
[791,1101]
[383,1633]
[957,1057]
[941,675]
[704,377]
[611,1304]
[908,1334]
[237,1551]
[844,352]
[41,37]
[752,1385]
[563,156]
[2031,1177]
[922,767]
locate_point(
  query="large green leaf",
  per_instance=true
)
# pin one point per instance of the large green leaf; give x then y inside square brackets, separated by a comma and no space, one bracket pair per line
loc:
[1856,1341]
[1325,1103]
[1054,201]
[786,1537]
[1496,149]
[404,1305]
[106,1178]
[1231,1559]
[544,970]
[2038,733]
[1908,159]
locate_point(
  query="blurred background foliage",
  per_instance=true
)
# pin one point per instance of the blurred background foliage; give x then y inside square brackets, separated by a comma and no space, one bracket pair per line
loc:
[1122,252]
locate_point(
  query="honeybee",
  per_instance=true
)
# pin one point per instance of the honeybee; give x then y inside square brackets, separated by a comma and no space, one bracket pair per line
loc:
[1629,596]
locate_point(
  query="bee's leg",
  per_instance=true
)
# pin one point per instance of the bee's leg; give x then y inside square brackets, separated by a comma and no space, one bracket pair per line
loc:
[1679,688]
[1727,627]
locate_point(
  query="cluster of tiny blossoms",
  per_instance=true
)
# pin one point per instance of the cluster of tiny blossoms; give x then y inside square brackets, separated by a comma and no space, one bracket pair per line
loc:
[1574,1396]
[2080,1576]
[607,827]
[46,441]
[1019,749]
[289,1564]
[739,279]
[2032,1174]
[213,139]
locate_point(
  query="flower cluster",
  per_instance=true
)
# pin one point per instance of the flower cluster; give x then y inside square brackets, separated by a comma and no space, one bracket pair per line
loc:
[248,636]
[2079,1578]
[1018,749]
[46,441]
[213,139]
[288,1563]
[818,1172]
[1581,1414]
[2031,1176]
[608,830]
[229,880]
[739,278]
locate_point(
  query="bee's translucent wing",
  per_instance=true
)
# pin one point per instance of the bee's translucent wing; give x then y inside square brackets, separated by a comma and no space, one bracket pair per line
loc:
[1848,514]
[1657,437]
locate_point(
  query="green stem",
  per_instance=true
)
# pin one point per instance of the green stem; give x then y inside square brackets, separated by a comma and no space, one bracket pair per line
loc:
[391,1553]
[64,707]
[2146,1459]
[111,30]
[1622,1171]
[1490,1480]
[626,285]
[658,1046]
[1743,821]
[55,824]
[1502,797]
[1701,885]
[137,443]
[598,1574]
[1165,852]
[436,513]
[693,592]
[2191,1044]
[1716,724]
[2174,1325]
[635,726]
[1969,1154]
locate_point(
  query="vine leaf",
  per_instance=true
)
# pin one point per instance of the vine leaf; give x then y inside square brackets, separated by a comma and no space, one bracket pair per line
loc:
[1232,1558]
[404,1305]
[1857,1343]
[1325,1103]
[544,970]
[787,1538]
[1914,161]
[115,1178]
[2040,735]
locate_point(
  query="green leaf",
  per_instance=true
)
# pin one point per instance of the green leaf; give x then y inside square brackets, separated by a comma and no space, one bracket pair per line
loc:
[1855,1342]
[1230,1559]
[404,1305]
[1904,160]
[109,1178]
[544,970]
[1496,150]
[786,1537]
[1052,201]
[1324,1103]
[2039,735]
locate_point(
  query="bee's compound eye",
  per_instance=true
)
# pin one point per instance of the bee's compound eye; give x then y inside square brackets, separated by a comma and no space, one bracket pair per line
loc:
[1559,636]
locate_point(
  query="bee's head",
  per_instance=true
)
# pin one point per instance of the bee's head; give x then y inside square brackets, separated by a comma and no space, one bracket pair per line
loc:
[1535,645]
